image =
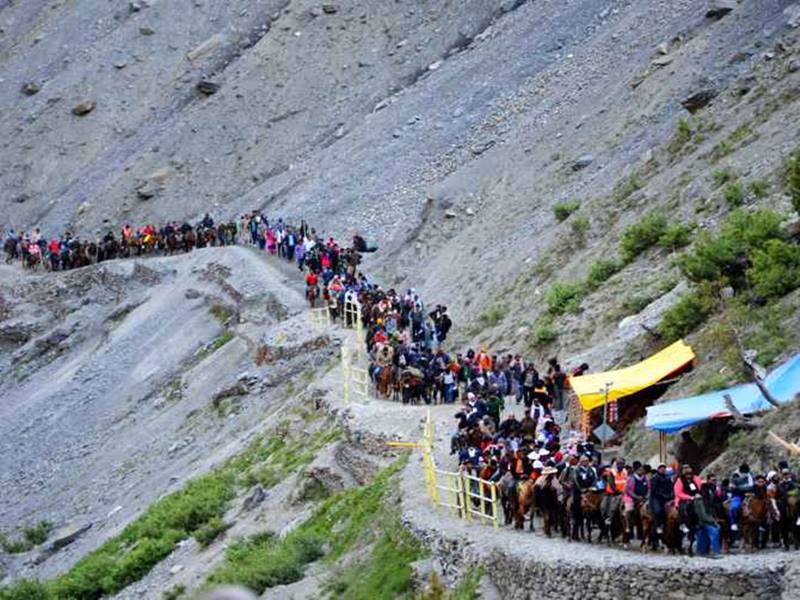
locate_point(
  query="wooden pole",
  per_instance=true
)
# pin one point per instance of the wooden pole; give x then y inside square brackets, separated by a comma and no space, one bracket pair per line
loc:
[662,446]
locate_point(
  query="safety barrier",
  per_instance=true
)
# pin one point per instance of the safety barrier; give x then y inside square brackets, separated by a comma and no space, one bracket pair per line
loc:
[469,497]
[320,318]
[356,379]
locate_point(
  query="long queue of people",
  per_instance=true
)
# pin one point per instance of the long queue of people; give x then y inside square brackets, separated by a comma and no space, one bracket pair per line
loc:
[566,482]
[538,470]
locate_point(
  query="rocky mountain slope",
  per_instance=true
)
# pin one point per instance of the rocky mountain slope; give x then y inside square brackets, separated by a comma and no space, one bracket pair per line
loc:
[569,177]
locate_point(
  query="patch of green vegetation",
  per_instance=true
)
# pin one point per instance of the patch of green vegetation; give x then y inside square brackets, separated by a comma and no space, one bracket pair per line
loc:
[729,144]
[642,235]
[580,227]
[31,535]
[793,178]
[286,456]
[193,510]
[775,269]
[545,332]
[210,531]
[26,589]
[675,236]
[722,258]
[734,194]
[493,314]
[355,517]
[683,134]
[565,297]
[627,187]
[220,312]
[723,176]
[264,561]
[633,305]
[686,315]
[562,210]
[175,593]
[600,271]
[759,188]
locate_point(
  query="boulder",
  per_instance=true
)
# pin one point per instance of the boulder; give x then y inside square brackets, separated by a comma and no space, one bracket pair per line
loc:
[66,535]
[793,66]
[330,9]
[84,108]
[720,8]
[582,162]
[29,88]
[207,87]
[254,497]
[663,61]
[450,214]
[699,100]
[481,147]
[146,30]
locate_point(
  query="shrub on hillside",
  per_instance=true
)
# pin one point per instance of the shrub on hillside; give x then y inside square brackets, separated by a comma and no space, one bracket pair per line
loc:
[776,269]
[685,316]
[565,296]
[734,194]
[675,235]
[562,210]
[600,271]
[726,255]
[642,235]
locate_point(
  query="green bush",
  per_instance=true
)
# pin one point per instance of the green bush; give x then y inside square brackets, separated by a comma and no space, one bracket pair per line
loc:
[642,235]
[32,535]
[580,226]
[775,269]
[26,589]
[174,593]
[210,531]
[600,271]
[793,178]
[683,133]
[263,561]
[759,188]
[493,314]
[723,176]
[565,296]
[734,194]
[562,210]
[684,317]
[675,235]
[545,332]
[725,256]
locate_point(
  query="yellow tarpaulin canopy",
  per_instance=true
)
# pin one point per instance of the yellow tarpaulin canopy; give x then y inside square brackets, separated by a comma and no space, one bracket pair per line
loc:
[590,389]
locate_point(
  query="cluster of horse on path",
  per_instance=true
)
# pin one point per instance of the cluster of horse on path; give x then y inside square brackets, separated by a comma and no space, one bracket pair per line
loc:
[68,252]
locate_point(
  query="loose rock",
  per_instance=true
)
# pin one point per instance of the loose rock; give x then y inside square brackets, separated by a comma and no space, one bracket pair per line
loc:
[30,88]
[720,8]
[699,100]
[146,30]
[793,15]
[207,87]
[582,162]
[330,9]
[84,108]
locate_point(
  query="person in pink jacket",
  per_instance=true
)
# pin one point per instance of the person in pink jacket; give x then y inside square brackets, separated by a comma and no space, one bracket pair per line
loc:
[687,486]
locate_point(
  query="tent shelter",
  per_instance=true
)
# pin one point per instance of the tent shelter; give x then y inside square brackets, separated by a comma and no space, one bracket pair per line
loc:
[591,389]
[669,417]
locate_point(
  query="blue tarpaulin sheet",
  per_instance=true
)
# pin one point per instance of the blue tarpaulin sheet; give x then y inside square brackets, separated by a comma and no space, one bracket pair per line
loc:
[783,383]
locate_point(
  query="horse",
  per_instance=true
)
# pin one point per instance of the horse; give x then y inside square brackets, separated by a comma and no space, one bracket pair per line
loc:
[384,381]
[546,500]
[590,512]
[673,535]
[10,250]
[632,523]
[526,501]
[649,533]
[790,521]
[754,522]
[189,240]
[312,292]
[508,496]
